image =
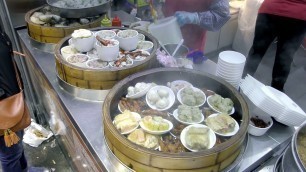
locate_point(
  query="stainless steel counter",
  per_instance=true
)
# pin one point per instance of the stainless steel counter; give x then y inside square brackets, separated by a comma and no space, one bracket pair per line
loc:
[86,117]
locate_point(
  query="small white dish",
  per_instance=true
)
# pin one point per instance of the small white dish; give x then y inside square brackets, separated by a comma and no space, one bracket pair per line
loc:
[144,54]
[145,45]
[214,109]
[236,128]
[257,131]
[176,116]
[141,37]
[138,117]
[179,98]
[128,62]
[78,59]
[212,136]
[156,132]
[171,97]
[96,64]
[67,51]
[178,84]
[141,93]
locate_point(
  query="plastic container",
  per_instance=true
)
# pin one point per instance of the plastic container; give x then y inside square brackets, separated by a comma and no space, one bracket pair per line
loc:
[256,131]
[166,30]
[116,21]
[106,22]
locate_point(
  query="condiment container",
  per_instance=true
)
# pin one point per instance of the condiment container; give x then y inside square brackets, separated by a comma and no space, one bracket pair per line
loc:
[116,21]
[106,22]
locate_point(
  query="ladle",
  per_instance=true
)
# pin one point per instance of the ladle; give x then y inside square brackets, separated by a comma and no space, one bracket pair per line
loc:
[177,47]
[162,45]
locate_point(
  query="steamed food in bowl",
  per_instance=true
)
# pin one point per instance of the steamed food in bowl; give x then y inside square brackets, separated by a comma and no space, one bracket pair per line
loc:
[191,96]
[97,64]
[77,58]
[197,138]
[126,122]
[144,139]
[128,39]
[221,123]
[189,114]
[301,147]
[155,123]
[220,104]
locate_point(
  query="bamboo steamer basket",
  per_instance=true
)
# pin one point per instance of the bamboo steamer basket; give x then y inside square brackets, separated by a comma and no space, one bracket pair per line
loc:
[100,79]
[45,34]
[139,158]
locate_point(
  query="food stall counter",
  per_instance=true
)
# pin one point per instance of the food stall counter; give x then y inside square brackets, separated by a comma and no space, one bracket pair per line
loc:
[84,138]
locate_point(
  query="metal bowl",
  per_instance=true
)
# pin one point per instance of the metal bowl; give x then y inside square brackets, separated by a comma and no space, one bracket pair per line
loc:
[298,132]
[79,12]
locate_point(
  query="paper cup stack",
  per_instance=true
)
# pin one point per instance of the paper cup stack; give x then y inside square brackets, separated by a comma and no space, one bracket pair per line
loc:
[230,67]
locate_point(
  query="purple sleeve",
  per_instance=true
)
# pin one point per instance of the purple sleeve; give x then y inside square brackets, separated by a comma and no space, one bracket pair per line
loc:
[216,16]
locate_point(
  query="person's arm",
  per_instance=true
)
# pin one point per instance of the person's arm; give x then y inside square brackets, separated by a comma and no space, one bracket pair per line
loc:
[212,19]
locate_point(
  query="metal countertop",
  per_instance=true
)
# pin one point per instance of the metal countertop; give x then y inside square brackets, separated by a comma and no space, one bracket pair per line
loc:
[87,116]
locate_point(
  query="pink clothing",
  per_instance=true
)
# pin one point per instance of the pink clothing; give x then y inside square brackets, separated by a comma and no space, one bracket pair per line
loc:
[193,35]
[286,8]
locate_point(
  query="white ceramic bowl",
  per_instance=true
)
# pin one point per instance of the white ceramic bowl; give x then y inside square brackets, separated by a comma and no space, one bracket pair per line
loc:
[176,116]
[128,39]
[66,51]
[96,64]
[178,84]
[106,34]
[108,53]
[145,55]
[156,132]
[256,131]
[81,62]
[179,98]
[171,97]
[140,93]
[216,110]
[145,45]
[83,44]
[141,37]
[229,133]
[138,117]
[212,136]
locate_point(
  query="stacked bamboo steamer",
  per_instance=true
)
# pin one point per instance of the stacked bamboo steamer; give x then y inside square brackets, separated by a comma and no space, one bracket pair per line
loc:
[45,34]
[138,158]
[100,79]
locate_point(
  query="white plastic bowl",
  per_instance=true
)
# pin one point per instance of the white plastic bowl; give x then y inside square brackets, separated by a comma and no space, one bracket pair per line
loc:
[145,45]
[156,132]
[108,53]
[212,136]
[171,97]
[179,98]
[256,131]
[128,39]
[83,44]
[216,110]
[176,116]
[236,128]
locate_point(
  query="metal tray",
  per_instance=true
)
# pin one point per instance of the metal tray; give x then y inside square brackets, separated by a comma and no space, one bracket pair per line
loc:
[80,12]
